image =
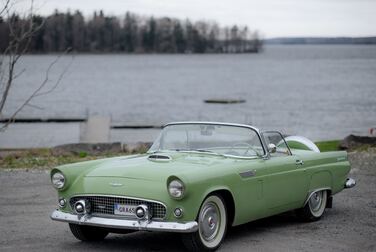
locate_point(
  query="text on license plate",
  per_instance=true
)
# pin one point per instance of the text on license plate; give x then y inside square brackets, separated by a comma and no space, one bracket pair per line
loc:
[122,209]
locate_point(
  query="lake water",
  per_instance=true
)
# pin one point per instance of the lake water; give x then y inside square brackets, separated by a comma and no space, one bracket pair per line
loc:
[321,92]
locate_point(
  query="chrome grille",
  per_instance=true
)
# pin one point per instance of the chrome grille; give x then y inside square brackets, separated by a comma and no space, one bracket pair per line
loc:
[104,205]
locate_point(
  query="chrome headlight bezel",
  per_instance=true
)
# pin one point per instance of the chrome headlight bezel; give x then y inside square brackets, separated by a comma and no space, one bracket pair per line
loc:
[58,180]
[176,189]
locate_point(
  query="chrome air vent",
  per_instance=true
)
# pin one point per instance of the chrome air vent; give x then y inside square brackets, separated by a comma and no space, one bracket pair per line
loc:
[159,157]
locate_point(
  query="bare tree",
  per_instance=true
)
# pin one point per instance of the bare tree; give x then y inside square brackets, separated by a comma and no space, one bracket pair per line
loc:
[3,8]
[21,33]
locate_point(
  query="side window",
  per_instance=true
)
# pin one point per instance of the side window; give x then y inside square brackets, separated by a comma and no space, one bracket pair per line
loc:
[275,138]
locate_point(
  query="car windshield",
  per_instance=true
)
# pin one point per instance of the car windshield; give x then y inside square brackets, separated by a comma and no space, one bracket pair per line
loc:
[219,139]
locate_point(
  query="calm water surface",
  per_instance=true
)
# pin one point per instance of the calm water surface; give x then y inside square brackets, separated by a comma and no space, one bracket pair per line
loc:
[321,92]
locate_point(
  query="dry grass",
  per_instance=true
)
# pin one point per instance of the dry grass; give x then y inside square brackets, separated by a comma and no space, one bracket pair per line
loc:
[45,159]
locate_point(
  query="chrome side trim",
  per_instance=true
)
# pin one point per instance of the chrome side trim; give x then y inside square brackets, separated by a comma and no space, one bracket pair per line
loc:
[350,182]
[248,174]
[145,225]
[316,190]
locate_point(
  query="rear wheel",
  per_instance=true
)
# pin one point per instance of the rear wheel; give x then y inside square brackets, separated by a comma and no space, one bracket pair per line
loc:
[212,226]
[315,207]
[88,233]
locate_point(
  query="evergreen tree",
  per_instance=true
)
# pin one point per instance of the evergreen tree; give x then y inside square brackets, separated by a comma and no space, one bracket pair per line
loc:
[102,33]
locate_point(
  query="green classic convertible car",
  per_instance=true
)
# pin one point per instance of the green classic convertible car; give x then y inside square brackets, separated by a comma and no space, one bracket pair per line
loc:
[198,179]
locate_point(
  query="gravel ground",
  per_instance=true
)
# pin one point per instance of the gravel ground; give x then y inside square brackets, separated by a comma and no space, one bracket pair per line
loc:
[27,199]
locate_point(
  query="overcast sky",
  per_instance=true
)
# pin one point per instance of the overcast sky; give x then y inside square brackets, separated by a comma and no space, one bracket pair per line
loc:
[274,18]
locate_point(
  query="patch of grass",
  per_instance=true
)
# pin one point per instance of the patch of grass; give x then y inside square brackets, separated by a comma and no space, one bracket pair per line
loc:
[43,158]
[331,145]
[364,147]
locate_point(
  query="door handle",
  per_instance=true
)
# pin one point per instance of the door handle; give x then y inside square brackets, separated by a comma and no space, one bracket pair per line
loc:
[299,162]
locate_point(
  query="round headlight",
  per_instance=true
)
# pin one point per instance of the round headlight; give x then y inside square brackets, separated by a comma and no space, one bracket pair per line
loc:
[176,189]
[58,180]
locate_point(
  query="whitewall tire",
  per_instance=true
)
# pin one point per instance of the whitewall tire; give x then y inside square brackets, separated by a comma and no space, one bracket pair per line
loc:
[212,225]
[315,206]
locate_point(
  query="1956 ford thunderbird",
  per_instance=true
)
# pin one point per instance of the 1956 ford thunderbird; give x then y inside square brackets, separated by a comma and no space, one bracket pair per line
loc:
[199,178]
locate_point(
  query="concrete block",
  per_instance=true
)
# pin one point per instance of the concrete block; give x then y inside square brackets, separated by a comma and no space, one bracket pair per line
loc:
[96,130]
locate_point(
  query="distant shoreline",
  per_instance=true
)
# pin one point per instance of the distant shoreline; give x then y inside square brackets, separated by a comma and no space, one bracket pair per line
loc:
[321,41]
[265,46]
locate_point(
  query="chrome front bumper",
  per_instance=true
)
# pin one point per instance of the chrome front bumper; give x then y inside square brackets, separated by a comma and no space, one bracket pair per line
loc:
[187,227]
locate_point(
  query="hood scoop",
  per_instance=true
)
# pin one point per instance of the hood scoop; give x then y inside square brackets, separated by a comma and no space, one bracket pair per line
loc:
[159,158]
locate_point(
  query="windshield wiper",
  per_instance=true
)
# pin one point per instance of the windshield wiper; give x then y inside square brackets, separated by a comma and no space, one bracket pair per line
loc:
[181,149]
[197,150]
[202,150]
[206,151]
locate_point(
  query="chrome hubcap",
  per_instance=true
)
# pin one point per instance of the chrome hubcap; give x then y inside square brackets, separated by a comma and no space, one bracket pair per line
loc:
[209,221]
[315,201]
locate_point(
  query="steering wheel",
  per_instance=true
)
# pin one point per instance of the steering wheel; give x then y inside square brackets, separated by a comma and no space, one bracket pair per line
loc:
[240,144]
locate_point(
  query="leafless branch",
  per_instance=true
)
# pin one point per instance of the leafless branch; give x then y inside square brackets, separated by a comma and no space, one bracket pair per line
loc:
[19,74]
[34,106]
[60,76]
[37,92]
[19,38]
[5,7]
[21,32]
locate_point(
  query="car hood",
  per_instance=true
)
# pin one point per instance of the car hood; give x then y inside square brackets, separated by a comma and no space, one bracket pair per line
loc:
[144,167]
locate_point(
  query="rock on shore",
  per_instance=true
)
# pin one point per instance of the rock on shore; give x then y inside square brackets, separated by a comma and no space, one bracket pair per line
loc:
[351,142]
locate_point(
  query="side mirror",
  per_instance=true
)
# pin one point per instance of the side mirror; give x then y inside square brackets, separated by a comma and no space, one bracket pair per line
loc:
[272,148]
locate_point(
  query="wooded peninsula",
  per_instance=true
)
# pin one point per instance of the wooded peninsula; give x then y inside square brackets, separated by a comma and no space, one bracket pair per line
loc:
[131,33]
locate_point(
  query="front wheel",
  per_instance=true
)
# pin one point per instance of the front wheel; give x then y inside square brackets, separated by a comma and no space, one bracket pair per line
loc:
[212,226]
[87,233]
[315,207]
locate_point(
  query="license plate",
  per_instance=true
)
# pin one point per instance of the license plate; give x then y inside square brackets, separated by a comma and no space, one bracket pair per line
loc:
[127,210]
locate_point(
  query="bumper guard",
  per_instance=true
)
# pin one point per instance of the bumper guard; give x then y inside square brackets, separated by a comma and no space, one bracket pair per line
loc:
[350,183]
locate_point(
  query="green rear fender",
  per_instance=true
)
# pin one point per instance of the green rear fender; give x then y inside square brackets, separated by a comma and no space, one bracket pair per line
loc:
[319,180]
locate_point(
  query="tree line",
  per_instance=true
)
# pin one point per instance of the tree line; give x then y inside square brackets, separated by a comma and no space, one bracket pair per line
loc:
[129,34]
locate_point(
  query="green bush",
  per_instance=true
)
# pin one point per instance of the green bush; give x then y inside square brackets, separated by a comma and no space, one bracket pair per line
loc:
[82,154]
